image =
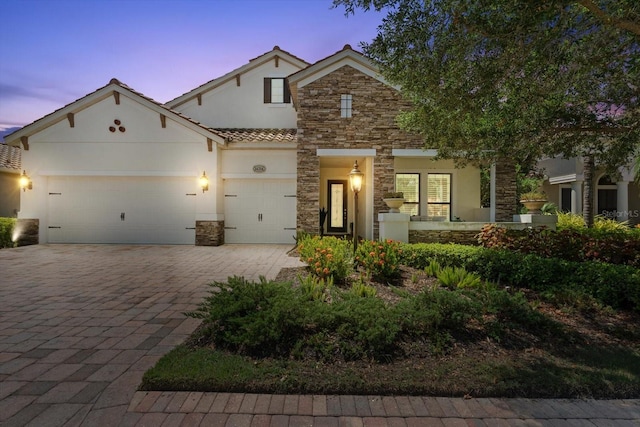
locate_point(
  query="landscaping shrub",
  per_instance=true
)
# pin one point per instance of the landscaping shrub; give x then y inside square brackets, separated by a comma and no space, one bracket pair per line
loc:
[420,255]
[264,318]
[366,328]
[614,285]
[314,288]
[434,313]
[6,232]
[615,246]
[571,221]
[362,290]
[327,256]
[379,258]
[457,277]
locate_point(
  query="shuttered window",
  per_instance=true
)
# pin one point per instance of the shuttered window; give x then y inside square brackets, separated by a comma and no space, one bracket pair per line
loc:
[439,196]
[276,91]
[409,184]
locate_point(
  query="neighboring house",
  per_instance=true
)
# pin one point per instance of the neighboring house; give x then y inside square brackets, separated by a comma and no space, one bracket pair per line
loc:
[276,138]
[615,197]
[10,170]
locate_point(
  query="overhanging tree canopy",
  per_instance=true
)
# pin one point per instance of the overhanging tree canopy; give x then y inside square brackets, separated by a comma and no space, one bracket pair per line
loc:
[515,78]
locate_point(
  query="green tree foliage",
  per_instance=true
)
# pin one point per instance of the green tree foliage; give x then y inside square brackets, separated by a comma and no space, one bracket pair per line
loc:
[512,78]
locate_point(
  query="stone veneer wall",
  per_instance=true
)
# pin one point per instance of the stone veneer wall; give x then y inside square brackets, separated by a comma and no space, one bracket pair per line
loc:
[29,229]
[209,233]
[464,237]
[372,125]
[506,203]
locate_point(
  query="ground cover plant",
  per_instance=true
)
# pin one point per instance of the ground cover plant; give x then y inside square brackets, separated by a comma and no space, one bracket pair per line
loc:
[427,323]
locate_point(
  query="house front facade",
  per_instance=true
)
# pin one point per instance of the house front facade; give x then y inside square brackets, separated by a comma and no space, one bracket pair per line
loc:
[275,140]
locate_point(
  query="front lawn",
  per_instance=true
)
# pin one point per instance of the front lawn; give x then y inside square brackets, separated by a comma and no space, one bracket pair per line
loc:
[403,330]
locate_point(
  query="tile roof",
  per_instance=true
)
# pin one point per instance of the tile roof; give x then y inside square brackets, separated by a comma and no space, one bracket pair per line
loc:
[10,157]
[258,135]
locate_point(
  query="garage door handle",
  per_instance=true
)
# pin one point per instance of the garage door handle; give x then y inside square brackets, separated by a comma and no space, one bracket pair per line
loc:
[189,228]
[230,228]
[122,216]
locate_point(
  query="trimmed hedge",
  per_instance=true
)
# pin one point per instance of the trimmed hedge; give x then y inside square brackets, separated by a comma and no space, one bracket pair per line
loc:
[615,285]
[611,246]
[6,232]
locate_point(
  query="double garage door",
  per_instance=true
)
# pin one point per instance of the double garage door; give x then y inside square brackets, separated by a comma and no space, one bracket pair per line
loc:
[162,210]
[135,210]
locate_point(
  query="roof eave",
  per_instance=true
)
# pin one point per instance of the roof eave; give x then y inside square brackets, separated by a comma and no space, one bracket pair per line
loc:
[253,63]
[101,94]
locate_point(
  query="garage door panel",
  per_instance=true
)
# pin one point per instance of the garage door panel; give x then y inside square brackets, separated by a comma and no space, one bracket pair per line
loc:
[260,211]
[90,210]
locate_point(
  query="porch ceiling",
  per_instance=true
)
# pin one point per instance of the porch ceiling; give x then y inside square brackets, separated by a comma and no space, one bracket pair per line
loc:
[342,162]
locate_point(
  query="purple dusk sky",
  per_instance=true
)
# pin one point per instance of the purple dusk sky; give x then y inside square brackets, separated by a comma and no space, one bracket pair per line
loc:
[53,52]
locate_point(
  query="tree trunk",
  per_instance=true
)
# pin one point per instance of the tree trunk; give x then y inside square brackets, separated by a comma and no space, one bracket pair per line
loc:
[587,197]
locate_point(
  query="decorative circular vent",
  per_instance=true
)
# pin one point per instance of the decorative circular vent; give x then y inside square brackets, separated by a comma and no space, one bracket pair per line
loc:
[117,123]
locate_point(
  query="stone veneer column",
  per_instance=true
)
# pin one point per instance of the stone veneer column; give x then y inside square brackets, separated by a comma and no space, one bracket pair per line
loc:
[308,191]
[209,233]
[506,203]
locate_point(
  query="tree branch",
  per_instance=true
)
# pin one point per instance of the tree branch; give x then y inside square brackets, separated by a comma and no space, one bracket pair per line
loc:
[607,19]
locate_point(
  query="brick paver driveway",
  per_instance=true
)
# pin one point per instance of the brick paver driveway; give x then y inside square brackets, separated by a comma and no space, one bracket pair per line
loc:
[80,324]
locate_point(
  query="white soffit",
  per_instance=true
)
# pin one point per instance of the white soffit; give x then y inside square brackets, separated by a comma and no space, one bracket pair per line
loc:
[346,152]
[413,152]
[564,179]
[333,63]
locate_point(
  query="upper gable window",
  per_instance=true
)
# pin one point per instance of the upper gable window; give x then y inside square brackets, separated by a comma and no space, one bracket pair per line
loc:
[276,91]
[345,105]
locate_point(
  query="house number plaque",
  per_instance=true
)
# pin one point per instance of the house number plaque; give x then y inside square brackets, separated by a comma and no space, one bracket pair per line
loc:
[259,168]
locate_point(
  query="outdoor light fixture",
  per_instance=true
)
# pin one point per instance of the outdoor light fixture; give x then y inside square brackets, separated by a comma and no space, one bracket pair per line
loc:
[355,181]
[204,182]
[25,181]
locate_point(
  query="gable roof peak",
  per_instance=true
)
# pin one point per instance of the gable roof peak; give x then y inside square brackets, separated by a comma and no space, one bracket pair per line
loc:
[347,47]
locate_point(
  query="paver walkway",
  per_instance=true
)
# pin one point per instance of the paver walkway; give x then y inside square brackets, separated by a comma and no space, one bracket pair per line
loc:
[80,324]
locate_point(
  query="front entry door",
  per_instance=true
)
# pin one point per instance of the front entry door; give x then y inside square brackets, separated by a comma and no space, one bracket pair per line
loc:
[337,195]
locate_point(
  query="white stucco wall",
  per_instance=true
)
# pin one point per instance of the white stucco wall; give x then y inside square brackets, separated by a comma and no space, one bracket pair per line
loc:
[240,163]
[233,106]
[90,149]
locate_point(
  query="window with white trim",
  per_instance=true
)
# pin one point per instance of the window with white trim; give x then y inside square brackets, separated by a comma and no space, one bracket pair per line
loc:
[346,101]
[276,90]
[409,185]
[439,196]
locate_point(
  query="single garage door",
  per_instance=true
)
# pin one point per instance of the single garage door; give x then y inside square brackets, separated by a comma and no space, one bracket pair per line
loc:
[260,210]
[135,210]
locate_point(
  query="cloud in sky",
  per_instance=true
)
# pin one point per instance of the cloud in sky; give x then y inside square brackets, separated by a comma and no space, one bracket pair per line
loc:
[54,52]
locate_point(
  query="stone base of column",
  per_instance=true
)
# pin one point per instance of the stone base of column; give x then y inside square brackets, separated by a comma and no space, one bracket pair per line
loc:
[209,233]
[27,231]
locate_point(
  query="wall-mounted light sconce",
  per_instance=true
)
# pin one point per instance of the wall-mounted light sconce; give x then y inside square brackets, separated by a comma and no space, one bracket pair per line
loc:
[355,181]
[25,181]
[204,182]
